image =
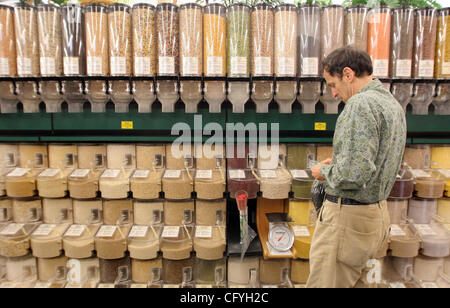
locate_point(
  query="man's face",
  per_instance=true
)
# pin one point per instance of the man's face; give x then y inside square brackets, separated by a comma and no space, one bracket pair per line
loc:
[340,87]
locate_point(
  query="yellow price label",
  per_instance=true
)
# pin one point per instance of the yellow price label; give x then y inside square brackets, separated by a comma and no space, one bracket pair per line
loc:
[127,124]
[320,126]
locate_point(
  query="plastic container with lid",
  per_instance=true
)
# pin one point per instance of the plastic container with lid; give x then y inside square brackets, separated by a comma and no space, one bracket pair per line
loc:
[178,272]
[111,241]
[148,272]
[115,271]
[91,155]
[146,184]
[424,42]
[398,210]
[442,58]
[332,29]
[379,37]
[402,42]
[403,242]
[404,185]
[5,210]
[57,211]
[435,240]
[302,181]
[15,239]
[115,183]
[209,156]
[243,272]
[8,67]
[87,212]
[238,40]
[262,40]
[121,155]
[118,212]
[21,269]
[3,174]
[178,184]
[176,242]
[27,210]
[167,33]
[426,269]
[144,242]
[214,40]
[309,33]
[210,184]
[242,179]
[46,240]
[270,270]
[149,156]
[429,184]
[443,210]
[271,156]
[417,156]
[210,212]
[179,212]
[285,33]
[355,33]
[275,183]
[21,182]
[74,49]
[422,211]
[50,39]
[27,46]
[210,242]
[79,242]
[210,273]
[84,183]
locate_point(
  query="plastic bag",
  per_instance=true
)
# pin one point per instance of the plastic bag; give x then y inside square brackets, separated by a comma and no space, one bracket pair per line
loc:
[318,194]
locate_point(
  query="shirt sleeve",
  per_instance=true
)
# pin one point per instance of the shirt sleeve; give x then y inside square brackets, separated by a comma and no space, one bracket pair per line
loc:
[357,145]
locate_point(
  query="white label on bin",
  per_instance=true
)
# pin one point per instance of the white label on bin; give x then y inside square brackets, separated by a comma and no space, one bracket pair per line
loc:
[403,68]
[418,173]
[445,172]
[107,231]
[110,174]
[80,173]
[426,68]
[238,66]
[237,174]
[299,174]
[12,229]
[141,174]
[301,231]
[142,66]
[397,231]
[118,65]
[203,232]
[49,173]
[44,229]
[262,65]
[397,285]
[424,230]
[4,66]
[71,66]
[94,65]
[138,231]
[445,68]
[172,174]
[381,67]
[190,66]
[48,66]
[310,66]
[171,231]
[268,174]
[18,172]
[166,65]
[75,230]
[214,66]
[23,66]
[204,174]
[286,66]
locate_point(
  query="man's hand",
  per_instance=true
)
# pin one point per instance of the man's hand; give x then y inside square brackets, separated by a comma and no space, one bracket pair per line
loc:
[315,171]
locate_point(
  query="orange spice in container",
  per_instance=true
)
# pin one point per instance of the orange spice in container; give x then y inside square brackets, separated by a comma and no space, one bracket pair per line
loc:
[214,40]
[379,35]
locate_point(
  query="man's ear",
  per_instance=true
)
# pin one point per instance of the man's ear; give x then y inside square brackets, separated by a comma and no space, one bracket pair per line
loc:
[348,74]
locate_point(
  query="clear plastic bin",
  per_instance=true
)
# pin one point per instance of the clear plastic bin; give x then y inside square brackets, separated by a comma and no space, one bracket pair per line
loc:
[209,156]
[309,34]
[302,241]
[440,157]
[27,210]
[275,183]
[441,64]
[435,240]
[262,40]
[429,184]
[27,46]
[111,246]
[115,183]
[210,184]
[8,67]
[84,183]
[356,26]
[243,273]
[178,184]
[144,242]
[46,240]
[242,179]
[15,239]
[404,185]
[214,40]
[115,271]
[379,37]
[178,272]
[73,33]
[167,34]
[79,242]
[146,184]
[285,35]
[179,212]
[118,212]
[147,272]
[21,182]
[299,271]
[57,211]
[302,212]
[398,210]
[91,155]
[238,40]
[83,271]
[191,40]
[402,42]
[300,156]
[417,156]
[210,212]
[177,247]
[302,181]
[425,42]
[271,270]
[422,211]
[210,242]
[332,29]
[403,242]
[210,273]
[21,270]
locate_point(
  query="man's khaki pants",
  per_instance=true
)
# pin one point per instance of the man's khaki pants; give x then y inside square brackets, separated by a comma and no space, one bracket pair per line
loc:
[345,238]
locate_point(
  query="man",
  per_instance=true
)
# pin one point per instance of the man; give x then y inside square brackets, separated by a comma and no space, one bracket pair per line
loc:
[369,140]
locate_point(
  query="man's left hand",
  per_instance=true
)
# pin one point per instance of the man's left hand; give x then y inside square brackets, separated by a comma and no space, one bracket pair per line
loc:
[315,171]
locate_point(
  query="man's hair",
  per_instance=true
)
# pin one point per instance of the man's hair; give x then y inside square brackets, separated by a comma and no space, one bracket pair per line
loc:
[359,61]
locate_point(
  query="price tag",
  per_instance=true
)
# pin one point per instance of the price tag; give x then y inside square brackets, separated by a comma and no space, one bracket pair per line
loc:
[138,231]
[237,174]
[44,230]
[425,230]
[214,66]
[286,66]
[4,66]
[397,231]
[142,66]
[18,172]
[262,66]
[171,231]
[71,66]
[107,231]
[403,68]
[75,230]
[204,174]
[268,174]
[301,231]
[49,173]
[190,65]
[426,68]
[141,174]
[172,174]
[380,67]
[12,229]
[320,126]
[203,231]
[310,66]
[127,125]
[80,173]
[418,173]
[23,66]
[94,65]
[110,174]
[238,65]
[299,174]
[118,65]
[48,66]
[166,65]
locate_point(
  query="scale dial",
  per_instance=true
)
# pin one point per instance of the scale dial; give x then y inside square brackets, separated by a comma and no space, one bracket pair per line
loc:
[281,237]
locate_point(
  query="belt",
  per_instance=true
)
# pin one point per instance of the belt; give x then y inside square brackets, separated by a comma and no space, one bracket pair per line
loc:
[345,201]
